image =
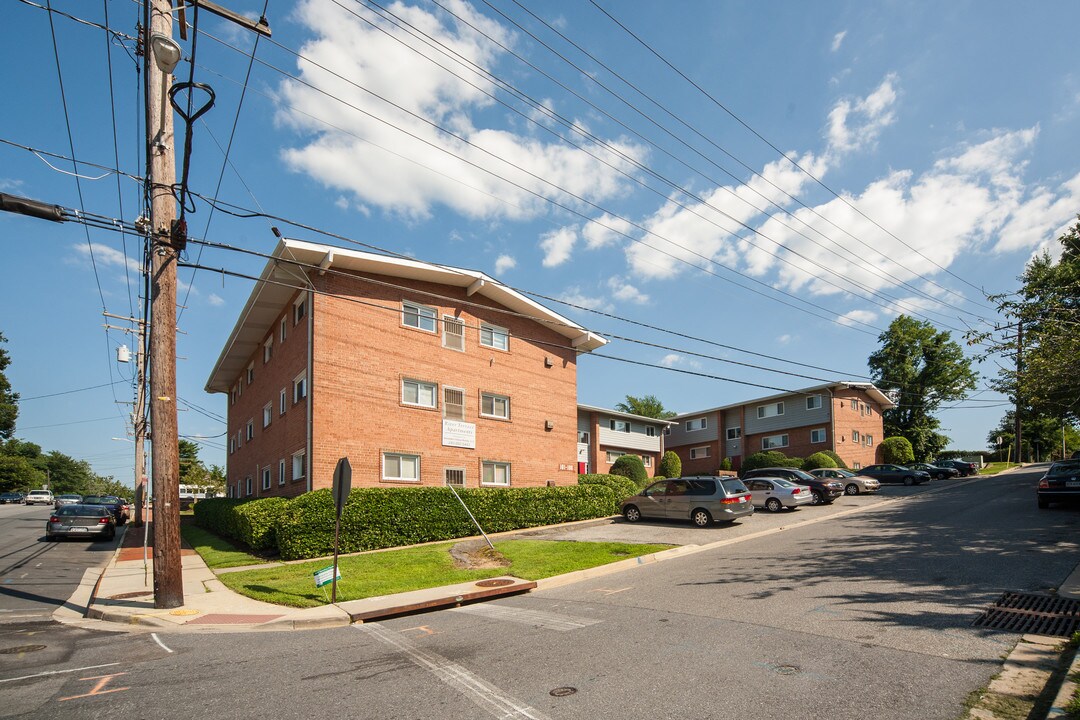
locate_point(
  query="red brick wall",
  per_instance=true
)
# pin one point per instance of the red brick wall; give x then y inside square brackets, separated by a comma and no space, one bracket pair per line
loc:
[846,420]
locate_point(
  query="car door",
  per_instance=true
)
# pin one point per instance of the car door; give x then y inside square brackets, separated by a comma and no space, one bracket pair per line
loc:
[678,499]
[653,500]
[760,491]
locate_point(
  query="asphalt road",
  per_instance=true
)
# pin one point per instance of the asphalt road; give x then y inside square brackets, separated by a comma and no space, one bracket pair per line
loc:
[864,614]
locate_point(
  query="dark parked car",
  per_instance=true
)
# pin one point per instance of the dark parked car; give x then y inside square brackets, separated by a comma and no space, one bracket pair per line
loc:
[896,473]
[938,472]
[700,499]
[13,498]
[118,506]
[966,468]
[81,521]
[1061,483]
[822,490]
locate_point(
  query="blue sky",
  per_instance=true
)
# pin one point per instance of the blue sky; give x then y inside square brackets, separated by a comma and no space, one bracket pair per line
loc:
[641,179]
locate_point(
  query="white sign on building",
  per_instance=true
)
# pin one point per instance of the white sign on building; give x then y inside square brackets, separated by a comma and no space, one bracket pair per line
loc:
[457,433]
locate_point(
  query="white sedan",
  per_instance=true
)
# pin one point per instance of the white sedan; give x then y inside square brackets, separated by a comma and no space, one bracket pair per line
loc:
[854,484]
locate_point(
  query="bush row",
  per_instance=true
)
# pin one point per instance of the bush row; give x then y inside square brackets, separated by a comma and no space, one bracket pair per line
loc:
[775,458]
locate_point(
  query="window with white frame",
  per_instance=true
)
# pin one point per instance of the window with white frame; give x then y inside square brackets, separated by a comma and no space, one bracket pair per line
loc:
[268,349]
[697,424]
[699,452]
[251,373]
[854,404]
[857,466]
[249,430]
[771,442]
[266,478]
[453,336]
[770,410]
[299,309]
[239,438]
[283,401]
[401,466]
[734,433]
[232,444]
[855,436]
[583,437]
[494,406]
[299,388]
[813,402]
[869,409]
[283,330]
[650,431]
[620,425]
[418,316]
[417,392]
[454,477]
[868,440]
[646,460]
[234,394]
[495,473]
[817,435]
[268,412]
[299,465]
[281,471]
[493,336]
[247,485]
[613,455]
[453,403]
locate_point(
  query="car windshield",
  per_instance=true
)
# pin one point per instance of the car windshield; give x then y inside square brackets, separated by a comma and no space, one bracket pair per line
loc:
[99,500]
[734,486]
[71,510]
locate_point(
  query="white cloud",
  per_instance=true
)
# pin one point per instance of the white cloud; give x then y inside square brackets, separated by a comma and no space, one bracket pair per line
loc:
[857,317]
[504,263]
[605,230]
[623,289]
[670,360]
[784,339]
[105,256]
[416,175]
[575,296]
[557,245]
[215,299]
[838,38]
[856,124]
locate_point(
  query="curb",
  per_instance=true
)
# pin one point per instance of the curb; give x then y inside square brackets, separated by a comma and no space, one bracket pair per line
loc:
[1068,688]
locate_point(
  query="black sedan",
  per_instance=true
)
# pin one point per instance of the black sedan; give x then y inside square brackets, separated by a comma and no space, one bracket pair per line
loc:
[93,521]
[938,472]
[12,498]
[1061,483]
[118,506]
[822,490]
[963,466]
[888,473]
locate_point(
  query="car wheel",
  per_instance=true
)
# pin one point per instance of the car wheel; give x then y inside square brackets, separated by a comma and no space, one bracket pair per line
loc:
[816,498]
[1043,503]
[701,517]
[773,505]
[851,489]
[908,480]
[631,513]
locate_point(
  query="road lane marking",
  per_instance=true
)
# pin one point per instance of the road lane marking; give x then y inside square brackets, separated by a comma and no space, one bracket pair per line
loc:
[609,591]
[57,672]
[536,618]
[423,628]
[99,688]
[482,694]
[158,641]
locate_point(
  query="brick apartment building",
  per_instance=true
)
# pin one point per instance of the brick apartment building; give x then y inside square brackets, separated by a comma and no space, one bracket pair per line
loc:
[419,374]
[605,435]
[844,417]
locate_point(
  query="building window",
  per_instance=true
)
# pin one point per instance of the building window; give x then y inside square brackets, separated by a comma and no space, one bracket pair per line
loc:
[817,435]
[620,425]
[868,440]
[697,424]
[646,460]
[284,331]
[771,410]
[232,444]
[453,333]
[734,433]
[268,412]
[495,473]
[453,403]
[613,455]
[283,401]
[239,439]
[299,465]
[251,373]
[281,472]
[867,409]
[266,478]
[398,466]
[813,402]
[667,430]
[416,316]
[493,336]
[268,349]
[699,452]
[234,394]
[854,436]
[415,392]
[771,442]
[299,309]
[494,406]
[856,466]
[854,404]
[650,431]
[249,431]
[299,388]
[583,437]
[454,477]
[247,485]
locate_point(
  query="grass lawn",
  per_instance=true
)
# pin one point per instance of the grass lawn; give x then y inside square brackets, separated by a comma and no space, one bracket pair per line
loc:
[386,573]
[216,552]
[996,467]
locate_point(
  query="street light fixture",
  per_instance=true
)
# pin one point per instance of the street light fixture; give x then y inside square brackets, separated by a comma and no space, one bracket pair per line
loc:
[166,52]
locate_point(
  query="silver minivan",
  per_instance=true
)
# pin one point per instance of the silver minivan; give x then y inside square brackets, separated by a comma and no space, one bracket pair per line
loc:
[701,499]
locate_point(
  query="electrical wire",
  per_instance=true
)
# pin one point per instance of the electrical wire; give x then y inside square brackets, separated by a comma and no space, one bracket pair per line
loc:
[69,392]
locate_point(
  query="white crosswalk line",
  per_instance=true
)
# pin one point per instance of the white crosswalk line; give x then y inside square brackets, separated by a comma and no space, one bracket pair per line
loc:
[536,618]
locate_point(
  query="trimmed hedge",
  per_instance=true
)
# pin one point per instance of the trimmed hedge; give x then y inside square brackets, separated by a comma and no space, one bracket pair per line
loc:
[631,466]
[836,459]
[818,460]
[897,450]
[218,515]
[670,465]
[621,487]
[376,518]
[258,521]
[769,458]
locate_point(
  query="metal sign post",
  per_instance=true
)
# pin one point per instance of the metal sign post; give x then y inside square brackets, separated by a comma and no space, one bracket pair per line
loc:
[342,486]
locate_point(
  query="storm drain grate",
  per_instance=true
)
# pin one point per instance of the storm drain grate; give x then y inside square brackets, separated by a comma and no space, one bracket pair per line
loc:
[1031,613]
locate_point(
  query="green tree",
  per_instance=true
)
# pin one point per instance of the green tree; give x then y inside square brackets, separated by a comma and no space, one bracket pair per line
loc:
[670,465]
[818,460]
[17,473]
[9,399]
[1040,438]
[897,450]
[923,368]
[646,406]
[630,466]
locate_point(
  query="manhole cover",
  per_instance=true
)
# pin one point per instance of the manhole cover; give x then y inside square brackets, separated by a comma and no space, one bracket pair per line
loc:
[20,649]
[127,595]
[494,583]
[563,691]
[786,669]
[1032,613]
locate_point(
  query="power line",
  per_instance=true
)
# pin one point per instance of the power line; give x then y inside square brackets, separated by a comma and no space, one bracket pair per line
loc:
[69,392]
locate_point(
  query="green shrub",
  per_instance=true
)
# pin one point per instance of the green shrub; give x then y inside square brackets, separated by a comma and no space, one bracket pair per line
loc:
[376,518]
[725,464]
[257,521]
[897,450]
[630,466]
[670,465]
[218,515]
[835,458]
[818,460]
[620,486]
[770,458]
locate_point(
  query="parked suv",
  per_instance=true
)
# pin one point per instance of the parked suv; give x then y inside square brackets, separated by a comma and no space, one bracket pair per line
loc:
[701,499]
[822,491]
[39,497]
[896,473]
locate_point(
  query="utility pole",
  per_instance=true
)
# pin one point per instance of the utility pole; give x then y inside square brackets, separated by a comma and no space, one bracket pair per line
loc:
[1019,368]
[140,432]
[161,55]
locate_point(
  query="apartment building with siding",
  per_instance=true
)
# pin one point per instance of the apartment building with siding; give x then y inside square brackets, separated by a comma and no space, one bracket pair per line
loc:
[844,417]
[606,435]
[419,374]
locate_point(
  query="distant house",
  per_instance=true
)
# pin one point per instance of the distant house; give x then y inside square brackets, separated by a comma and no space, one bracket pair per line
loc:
[420,374]
[844,417]
[606,435]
